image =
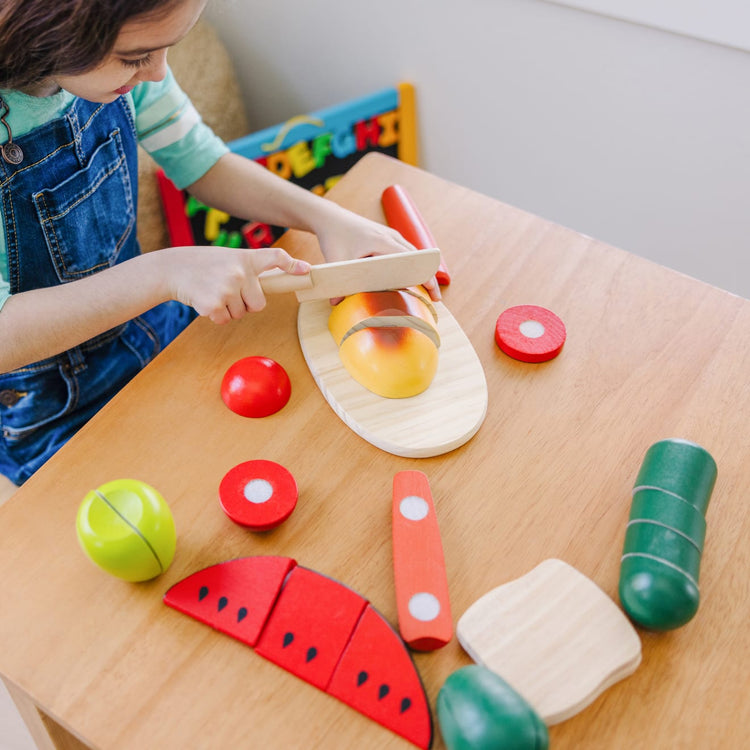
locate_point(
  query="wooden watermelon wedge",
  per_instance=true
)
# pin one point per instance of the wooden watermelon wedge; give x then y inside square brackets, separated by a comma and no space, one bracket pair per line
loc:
[318,629]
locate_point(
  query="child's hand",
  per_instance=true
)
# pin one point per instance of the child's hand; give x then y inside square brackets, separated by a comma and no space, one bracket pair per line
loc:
[222,283]
[350,236]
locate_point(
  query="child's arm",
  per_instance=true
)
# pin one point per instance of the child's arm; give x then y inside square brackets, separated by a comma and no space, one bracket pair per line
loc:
[220,283]
[247,190]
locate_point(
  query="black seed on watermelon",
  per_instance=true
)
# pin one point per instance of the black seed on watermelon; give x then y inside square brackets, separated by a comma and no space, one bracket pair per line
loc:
[320,612]
[257,580]
[312,652]
[223,601]
[357,644]
[383,690]
[376,650]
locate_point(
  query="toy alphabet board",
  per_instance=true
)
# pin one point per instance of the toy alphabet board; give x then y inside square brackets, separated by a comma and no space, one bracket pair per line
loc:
[313,150]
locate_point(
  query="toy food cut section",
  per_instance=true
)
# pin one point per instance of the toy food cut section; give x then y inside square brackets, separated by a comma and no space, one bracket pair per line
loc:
[443,416]
[388,341]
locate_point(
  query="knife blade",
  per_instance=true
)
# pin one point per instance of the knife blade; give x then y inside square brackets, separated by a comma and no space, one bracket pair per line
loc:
[341,278]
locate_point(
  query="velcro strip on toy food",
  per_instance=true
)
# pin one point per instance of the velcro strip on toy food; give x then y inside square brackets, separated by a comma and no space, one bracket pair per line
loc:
[388,341]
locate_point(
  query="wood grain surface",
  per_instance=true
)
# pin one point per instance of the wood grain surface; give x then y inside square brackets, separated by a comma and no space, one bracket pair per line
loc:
[650,354]
[441,418]
[554,636]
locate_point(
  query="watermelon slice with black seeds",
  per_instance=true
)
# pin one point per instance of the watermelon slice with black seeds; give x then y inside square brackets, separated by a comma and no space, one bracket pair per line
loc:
[308,639]
[318,629]
[234,597]
[377,677]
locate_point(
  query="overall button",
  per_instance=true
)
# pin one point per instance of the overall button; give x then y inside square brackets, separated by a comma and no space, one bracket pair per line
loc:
[10,397]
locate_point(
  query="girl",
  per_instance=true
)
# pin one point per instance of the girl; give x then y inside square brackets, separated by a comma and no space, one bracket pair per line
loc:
[81,310]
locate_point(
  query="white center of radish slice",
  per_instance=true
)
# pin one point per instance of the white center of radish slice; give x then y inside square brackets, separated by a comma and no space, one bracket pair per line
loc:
[258,491]
[532,329]
[424,607]
[414,508]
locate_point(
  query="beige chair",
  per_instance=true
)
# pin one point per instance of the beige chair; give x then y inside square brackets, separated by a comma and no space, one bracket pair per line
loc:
[204,71]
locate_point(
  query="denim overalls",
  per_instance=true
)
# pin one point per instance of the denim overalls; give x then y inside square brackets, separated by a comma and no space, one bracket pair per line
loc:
[70,211]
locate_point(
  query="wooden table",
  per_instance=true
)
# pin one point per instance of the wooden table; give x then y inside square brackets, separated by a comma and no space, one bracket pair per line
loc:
[650,354]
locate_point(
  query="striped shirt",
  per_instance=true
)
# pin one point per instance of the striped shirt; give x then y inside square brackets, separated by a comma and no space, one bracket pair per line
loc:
[168,127]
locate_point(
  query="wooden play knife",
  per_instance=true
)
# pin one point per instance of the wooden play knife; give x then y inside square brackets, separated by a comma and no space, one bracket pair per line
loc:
[372,274]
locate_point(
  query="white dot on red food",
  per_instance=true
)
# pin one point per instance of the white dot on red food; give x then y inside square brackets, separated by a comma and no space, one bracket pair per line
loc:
[258,494]
[414,508]
[258,491]
[532,329]
[530,333]
[424,606]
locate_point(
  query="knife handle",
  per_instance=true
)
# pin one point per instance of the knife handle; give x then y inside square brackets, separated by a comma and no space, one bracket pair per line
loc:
[277,281]
[424,612]
[402,214]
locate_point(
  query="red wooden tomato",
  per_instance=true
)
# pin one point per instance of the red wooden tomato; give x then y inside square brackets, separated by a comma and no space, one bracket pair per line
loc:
[255,387]
[258,494]
[530,333]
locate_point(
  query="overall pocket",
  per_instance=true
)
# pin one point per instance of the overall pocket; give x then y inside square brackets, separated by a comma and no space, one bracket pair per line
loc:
[33,397]
[87,218]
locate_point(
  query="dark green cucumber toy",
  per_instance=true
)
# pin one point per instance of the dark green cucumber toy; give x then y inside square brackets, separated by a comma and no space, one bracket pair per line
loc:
[665,535]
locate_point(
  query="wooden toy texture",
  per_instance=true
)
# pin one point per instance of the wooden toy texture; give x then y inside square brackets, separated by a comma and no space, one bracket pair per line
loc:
[554,636]
[402,214]
[368,274]
[651,353]
[316,628]
[258,494]
[419,565]
[436,421]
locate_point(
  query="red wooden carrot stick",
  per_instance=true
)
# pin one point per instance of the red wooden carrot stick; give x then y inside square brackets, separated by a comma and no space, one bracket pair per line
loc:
[424,612]
[402,214]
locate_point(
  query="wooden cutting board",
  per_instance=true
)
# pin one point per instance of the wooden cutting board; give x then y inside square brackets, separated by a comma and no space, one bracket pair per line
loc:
[554,636]
[442,418]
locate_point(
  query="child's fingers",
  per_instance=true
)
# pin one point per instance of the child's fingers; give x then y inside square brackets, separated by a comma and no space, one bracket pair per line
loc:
[433,289]
[274,257]
[252,296]
[219,315]
[237,306]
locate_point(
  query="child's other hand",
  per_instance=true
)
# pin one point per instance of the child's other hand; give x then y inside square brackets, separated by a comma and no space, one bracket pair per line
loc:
[222,283]
[352,236]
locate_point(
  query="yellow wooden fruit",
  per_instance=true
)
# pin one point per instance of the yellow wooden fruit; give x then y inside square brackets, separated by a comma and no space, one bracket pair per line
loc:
[388,341]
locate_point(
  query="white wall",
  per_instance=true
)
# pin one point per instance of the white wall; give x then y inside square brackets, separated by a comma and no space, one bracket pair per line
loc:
[723,21]
[630,134]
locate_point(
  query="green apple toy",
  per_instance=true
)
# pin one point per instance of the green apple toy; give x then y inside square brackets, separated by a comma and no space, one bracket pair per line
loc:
[126,528]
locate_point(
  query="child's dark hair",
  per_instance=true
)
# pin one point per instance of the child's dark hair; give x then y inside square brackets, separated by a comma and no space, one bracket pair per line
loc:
[42,38]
